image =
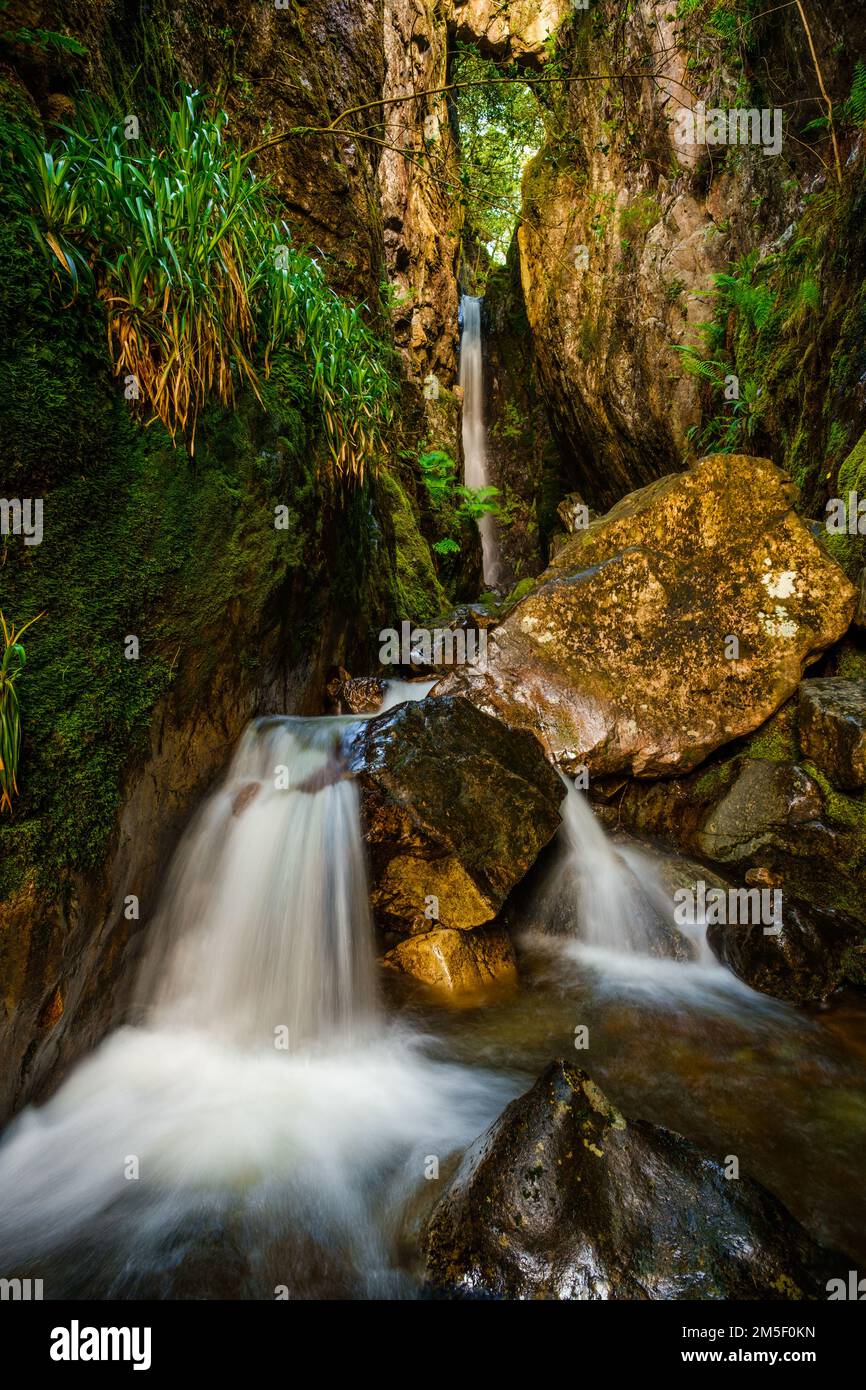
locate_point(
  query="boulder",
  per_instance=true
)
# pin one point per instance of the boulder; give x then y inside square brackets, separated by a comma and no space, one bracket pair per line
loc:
[456,805]
[832,717]
[460,964]
[679,621]
[563,1198]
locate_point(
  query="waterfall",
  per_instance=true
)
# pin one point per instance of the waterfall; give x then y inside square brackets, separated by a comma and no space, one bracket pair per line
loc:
[264,1116]
[266,909]
[612,896]
[474,431]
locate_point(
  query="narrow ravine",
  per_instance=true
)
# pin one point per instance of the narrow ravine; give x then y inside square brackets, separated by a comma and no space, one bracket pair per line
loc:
[433,663]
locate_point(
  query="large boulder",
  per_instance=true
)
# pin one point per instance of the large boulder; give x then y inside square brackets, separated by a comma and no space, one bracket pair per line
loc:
[457,807]
[680,620]
[562,1198]
[833,729]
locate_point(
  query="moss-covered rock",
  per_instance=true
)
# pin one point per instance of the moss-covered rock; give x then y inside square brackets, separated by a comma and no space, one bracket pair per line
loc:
[832,724]
[762,808]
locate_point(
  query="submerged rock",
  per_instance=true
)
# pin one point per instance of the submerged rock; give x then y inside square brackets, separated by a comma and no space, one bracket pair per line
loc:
[679,621]
[461,964]
[457,806]
[832,716]
[563,1198]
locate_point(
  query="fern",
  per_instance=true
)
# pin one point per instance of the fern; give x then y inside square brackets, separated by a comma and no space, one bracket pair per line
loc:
[855,106]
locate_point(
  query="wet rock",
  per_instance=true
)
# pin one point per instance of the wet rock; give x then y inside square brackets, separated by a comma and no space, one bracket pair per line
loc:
[832,716]
[457,807]
[461,964]
[563,1198]
[362,694]
[243,798]
[763,797]
[801,962]
[679,621]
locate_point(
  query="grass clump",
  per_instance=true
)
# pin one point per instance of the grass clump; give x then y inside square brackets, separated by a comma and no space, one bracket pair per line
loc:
[200,280]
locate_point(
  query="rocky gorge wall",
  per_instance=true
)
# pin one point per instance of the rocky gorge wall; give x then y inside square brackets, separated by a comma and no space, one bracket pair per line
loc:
[625,227]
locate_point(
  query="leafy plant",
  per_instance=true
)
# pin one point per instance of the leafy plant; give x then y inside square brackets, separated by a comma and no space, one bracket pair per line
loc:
[855,106]
[42,38]
[456,503]
[447,546]
[199,278]
[476,502]
[438,472]
[11,665]
[500,127]
[739,292]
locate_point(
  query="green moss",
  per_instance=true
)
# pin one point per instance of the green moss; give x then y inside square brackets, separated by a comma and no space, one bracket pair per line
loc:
[715,779]
[420,596]
[850,551]
[775,741]
[844,810]
[851,663]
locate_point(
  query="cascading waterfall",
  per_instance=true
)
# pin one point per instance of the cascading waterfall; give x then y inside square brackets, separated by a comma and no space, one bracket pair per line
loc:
[607,902]
[474,429]
[266,912]
[264,1106]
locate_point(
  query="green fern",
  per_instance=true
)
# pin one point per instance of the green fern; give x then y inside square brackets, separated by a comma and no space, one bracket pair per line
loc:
[855,107]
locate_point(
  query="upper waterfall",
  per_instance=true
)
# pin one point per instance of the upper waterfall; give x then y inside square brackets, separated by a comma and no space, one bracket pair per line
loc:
[474,429]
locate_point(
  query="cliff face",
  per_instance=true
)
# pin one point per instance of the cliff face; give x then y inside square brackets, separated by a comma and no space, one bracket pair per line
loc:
[625,226]
[418,190]
[524,461]
[234,617]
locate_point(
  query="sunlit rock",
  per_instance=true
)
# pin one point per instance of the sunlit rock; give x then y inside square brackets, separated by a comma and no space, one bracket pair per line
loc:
[679,621]
[460,964]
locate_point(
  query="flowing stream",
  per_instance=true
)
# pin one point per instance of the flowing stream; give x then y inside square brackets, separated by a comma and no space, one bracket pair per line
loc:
[474,429]
[269,1126]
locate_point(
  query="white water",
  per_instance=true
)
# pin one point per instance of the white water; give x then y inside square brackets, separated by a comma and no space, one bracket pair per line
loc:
[195,1141]
[606,909]
[399,692]
[474,429]
[265,1095]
